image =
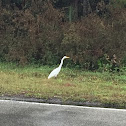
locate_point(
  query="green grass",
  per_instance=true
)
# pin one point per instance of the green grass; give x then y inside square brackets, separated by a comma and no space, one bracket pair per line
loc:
[71,84]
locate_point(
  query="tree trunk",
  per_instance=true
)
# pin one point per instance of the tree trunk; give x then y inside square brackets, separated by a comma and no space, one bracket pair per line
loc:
[70,13]
[85,7]
[75,16]
[73,11]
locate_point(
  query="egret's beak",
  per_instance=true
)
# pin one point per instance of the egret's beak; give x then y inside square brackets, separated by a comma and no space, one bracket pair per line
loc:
[67,57]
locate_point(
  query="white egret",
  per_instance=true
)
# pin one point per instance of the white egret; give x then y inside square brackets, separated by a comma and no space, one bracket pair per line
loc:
[56,71]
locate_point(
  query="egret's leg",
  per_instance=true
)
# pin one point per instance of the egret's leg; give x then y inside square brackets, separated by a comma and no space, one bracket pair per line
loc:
[55,77]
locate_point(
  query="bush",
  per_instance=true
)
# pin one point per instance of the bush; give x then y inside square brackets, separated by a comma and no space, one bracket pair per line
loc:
[39,35]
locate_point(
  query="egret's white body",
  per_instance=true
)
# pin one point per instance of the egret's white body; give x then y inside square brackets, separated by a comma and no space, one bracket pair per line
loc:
[56,71]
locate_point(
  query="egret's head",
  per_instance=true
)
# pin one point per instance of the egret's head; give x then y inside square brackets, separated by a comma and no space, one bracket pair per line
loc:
[65,57]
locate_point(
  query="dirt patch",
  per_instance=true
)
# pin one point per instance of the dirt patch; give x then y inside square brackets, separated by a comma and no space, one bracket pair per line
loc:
[69,85]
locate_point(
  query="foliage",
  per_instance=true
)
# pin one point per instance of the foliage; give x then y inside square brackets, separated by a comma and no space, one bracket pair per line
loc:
[119,3]
[40,34]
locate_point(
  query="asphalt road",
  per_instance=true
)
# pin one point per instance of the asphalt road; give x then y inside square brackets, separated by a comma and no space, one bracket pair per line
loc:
[15,113]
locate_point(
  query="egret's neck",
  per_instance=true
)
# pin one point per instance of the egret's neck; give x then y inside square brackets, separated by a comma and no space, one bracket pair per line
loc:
[61,62]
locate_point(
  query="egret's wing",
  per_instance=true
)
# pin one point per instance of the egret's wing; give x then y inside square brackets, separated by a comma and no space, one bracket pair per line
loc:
[54,73]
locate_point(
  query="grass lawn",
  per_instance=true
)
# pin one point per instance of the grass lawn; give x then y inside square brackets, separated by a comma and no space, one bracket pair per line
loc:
[71,84]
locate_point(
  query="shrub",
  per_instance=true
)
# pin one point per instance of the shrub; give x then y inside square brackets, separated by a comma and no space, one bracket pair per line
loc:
[38,35]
